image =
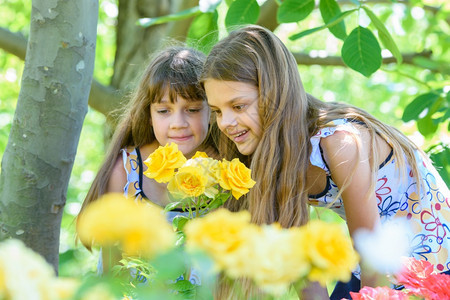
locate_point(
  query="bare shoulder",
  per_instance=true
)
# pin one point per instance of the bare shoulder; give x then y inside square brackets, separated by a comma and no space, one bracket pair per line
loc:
[342,145]
[118,178]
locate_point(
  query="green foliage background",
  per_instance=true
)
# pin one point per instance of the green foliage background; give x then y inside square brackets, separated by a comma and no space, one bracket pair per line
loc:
[385,94]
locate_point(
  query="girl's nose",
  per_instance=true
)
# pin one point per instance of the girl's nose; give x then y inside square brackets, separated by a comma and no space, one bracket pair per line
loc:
[179,120]
[227,120]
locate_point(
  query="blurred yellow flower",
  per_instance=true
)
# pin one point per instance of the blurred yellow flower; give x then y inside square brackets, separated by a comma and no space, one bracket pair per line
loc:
[274,258]
[330,252]
[235,176]
[138,227]
[161,164]
[188,182]
[220,234]
[24,274]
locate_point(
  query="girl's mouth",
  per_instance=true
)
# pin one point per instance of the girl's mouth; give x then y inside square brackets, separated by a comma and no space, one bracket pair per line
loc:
[240,136]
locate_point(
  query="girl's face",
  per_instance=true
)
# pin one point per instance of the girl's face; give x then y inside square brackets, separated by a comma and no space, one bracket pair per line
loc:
[236,107]
[184,123]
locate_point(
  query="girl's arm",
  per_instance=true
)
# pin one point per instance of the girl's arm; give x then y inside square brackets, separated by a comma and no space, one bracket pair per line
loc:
[116,183]
[341,154]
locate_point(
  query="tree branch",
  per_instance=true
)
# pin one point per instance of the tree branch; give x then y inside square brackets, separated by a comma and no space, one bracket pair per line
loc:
[101,98]
[105,99]
[307,60]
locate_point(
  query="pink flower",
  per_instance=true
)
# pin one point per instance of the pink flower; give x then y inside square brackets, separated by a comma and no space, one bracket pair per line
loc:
[378,293]
[414,272]
[419,279]
[435,287]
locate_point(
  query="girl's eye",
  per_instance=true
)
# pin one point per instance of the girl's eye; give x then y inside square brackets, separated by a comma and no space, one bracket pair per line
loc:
[239,107]
[194,110]
[162,111]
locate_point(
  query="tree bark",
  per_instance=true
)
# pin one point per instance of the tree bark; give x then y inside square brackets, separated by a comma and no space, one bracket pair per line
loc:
[51,107]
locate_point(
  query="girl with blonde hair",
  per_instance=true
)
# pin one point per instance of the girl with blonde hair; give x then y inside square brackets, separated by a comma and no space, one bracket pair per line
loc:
[303,151]
[168,106]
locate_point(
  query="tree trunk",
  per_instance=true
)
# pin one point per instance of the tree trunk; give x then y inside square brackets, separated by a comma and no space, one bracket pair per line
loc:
[51,107]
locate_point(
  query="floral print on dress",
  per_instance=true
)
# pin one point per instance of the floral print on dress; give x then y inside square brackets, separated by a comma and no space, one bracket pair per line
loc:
[428,214]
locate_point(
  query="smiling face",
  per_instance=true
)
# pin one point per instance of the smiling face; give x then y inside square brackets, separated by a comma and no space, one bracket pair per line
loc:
[236,107]
[182,122]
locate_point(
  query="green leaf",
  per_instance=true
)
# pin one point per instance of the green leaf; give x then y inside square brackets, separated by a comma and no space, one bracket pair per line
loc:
[294,10]
[426,125]
[183,285]
[361,51]
[169,265]
[418,105]
[335,20]
[191,12]
[179,221]
[442,162]
[203,32]
[330,9]
[384,35]
[171,206]
[242,12]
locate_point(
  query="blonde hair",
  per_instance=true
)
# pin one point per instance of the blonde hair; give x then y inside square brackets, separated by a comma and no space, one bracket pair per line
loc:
[289,117]
[175,70]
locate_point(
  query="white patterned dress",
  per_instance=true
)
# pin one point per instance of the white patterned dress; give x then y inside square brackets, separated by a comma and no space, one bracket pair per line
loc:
[427,215]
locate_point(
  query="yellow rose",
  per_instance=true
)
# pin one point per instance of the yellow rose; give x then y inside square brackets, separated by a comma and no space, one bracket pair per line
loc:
[235,176]
[275,258]
[330,252]
[221,234]
[188,182]
[211,169]
[138,227]
[199,154]
[161,164]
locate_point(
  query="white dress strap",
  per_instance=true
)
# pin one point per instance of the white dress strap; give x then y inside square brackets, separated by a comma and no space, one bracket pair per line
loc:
[316,157]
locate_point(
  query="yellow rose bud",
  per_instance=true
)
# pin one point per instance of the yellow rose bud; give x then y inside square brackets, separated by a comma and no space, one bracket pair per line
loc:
[235,176]
[161,164]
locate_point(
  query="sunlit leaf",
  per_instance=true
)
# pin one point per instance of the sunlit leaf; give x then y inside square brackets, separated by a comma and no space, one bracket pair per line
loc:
[361,51]
[179,222]
[335,20]
[242,12]
[294,10]
[418,105]
[203,32]
[188,13]
[329,9]
[442,158]
[426,126]
[384,35]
